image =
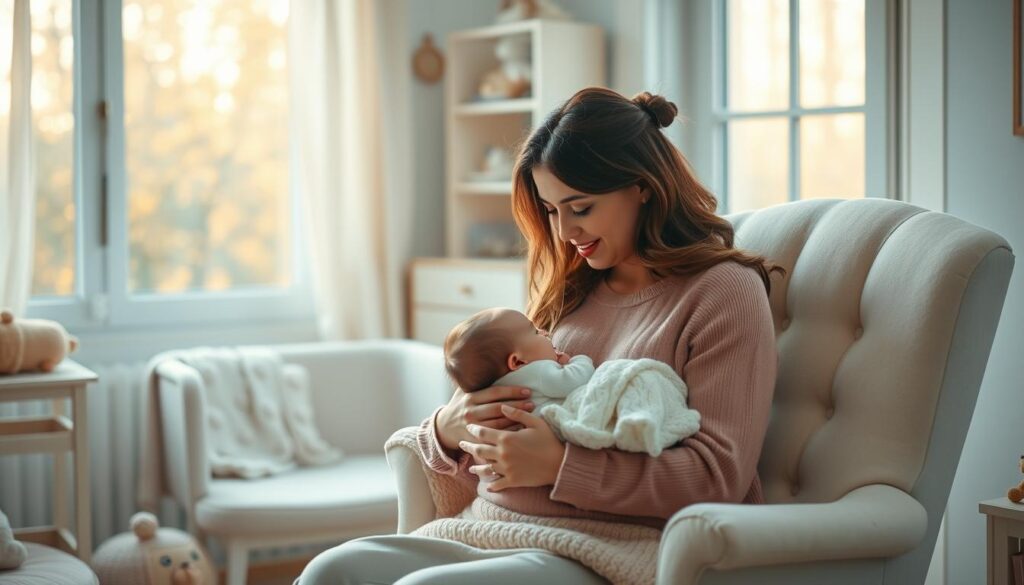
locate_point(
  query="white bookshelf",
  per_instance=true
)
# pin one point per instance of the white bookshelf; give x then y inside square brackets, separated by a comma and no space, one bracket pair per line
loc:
[566,56]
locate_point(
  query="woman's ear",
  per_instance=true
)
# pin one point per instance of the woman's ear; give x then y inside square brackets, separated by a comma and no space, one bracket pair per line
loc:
[645,192]
[514,363]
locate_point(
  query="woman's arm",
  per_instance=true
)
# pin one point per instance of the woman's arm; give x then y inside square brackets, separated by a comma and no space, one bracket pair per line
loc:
[730,372]
[437,458]
[439,434]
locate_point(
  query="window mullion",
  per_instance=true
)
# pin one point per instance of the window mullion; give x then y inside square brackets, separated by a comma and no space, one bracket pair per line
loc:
[794,100]
[720,70]
[116,249]
[87,90]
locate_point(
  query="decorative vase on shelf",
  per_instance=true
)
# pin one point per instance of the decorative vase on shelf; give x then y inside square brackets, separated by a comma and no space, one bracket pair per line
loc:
[497,166]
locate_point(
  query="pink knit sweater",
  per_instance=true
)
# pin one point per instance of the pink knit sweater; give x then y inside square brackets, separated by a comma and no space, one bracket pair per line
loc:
[716,329]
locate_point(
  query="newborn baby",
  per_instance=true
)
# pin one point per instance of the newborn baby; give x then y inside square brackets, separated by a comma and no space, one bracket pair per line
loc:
[633,405]
[501,347]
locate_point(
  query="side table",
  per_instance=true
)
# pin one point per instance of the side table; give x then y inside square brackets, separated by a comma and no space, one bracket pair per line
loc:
[56,435]
[1005,534]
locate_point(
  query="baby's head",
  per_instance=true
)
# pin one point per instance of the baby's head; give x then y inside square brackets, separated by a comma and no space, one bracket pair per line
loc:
[493,343]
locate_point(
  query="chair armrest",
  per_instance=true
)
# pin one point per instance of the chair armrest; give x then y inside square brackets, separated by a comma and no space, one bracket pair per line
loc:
[183,429]
[415,504]
[869,522]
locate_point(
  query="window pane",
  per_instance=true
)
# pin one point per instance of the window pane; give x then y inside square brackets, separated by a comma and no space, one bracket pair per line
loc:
[758,55]
[832,53]
[207,147]
[832,151]
[53,270]
[758,163]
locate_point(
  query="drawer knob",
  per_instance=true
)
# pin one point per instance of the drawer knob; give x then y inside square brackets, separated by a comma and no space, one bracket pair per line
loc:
[466,289]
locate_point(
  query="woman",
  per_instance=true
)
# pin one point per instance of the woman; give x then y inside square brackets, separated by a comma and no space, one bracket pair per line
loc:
[626,260]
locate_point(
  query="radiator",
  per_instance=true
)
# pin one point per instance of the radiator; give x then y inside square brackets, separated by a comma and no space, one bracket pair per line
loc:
[114,416]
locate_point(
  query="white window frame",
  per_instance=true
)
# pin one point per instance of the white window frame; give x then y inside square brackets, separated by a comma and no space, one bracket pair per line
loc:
[101,298]
[705,140]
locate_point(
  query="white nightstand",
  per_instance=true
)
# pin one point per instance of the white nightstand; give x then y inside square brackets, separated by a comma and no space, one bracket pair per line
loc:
[57,435]
[444,291]
[1005,534]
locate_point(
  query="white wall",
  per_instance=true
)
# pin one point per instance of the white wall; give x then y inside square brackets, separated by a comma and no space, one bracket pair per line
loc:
[985,185]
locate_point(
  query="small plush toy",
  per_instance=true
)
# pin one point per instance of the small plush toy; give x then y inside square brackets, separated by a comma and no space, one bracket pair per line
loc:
[32,344]
[12,552]
[1016,494]
[150,555]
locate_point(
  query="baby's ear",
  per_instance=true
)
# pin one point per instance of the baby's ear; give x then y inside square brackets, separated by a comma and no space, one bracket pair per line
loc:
[514,363]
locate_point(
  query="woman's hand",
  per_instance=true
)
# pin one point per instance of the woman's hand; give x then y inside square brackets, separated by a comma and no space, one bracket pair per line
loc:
[482,407]
[528,457]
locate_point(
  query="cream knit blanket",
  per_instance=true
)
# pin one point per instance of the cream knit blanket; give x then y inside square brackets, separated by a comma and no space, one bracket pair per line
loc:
[625,554]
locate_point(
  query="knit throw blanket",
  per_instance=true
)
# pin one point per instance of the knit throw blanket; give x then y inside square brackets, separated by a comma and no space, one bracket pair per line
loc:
[625,554]
[633,405]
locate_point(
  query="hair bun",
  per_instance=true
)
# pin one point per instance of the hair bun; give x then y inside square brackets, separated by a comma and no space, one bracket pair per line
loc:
[662,111]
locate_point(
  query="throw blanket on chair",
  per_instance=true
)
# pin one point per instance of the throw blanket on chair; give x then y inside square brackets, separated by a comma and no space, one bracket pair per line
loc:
[258,412]
[625,554]
[633,405]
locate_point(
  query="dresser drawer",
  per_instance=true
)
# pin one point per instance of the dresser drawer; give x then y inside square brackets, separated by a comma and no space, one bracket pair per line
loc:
[432,325]
[469,285]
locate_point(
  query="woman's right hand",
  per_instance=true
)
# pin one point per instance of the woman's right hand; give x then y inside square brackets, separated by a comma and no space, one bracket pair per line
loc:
[482,407]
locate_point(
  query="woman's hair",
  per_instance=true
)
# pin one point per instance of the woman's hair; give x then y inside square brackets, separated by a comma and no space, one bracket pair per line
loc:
[597,142]
[476,351]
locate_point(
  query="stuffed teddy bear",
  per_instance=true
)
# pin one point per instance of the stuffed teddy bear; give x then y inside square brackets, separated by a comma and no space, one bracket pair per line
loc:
[150,555]
[1016,494]
[513,77]
[32,344]
[12,552]
[516,10]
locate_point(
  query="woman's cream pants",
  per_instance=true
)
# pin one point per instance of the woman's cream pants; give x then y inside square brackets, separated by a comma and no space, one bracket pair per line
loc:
[417,560]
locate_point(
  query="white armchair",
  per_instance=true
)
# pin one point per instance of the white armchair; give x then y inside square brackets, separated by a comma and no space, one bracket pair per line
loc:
[884,324]
[361,392]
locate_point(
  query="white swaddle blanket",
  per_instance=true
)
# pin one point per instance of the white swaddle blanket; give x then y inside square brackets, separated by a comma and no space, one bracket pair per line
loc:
[632,405]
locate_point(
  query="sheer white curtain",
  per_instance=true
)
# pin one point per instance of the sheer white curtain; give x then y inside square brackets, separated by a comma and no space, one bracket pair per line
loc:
[349,117]
[17,165]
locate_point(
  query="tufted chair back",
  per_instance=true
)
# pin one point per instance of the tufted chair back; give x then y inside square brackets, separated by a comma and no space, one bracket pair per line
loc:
[886,310]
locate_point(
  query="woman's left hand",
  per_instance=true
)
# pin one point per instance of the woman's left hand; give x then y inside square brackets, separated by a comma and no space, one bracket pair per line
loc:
[528,457]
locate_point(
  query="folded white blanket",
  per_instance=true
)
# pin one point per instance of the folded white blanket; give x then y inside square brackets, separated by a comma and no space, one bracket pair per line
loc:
[259,417]
[632,405]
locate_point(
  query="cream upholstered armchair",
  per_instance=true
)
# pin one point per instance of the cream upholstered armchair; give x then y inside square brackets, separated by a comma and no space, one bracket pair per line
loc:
[361,392]
[884,324]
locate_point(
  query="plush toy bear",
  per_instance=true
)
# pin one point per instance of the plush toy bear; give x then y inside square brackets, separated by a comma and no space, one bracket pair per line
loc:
[150,555]
[1016,494]
[32,344]
[12,552]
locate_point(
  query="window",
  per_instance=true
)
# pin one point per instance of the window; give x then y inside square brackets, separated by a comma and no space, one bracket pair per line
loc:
[166,123]
[798,107]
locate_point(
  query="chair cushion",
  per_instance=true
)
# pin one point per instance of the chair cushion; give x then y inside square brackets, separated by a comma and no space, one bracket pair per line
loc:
[359,490]
[45,565]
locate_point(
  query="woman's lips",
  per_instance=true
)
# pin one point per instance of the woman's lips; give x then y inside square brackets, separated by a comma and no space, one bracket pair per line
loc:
[587,249]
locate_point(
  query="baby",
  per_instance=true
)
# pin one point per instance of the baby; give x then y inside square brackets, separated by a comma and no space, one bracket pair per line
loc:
[501,347]
[634,405]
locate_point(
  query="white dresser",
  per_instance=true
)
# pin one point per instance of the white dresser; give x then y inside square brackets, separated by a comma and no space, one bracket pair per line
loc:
[445,291]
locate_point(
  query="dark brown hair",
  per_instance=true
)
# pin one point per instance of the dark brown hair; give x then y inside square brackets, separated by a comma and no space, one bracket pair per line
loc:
[597,142]
[476,351]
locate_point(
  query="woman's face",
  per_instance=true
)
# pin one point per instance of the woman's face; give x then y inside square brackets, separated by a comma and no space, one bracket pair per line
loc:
[602,228]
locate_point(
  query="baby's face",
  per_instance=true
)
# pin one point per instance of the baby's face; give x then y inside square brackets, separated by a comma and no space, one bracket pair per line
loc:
[531,344]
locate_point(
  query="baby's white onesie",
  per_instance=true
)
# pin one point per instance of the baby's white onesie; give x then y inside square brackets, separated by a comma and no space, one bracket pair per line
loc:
[550,380]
